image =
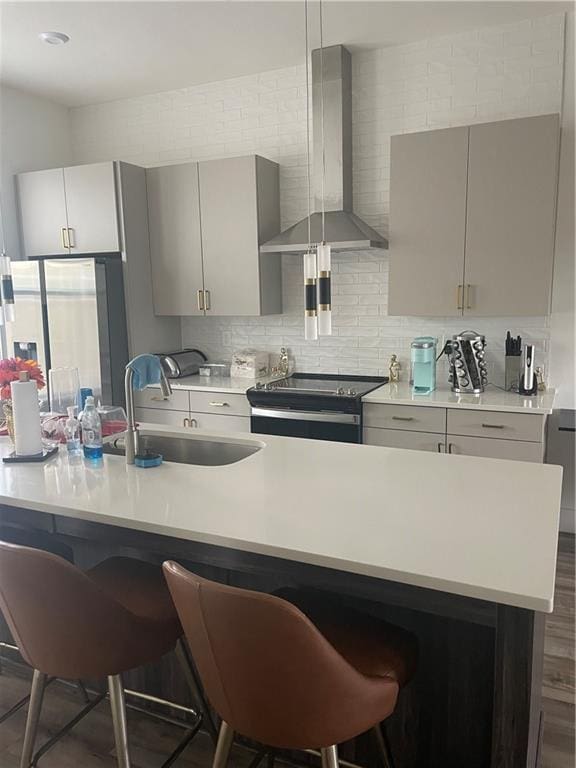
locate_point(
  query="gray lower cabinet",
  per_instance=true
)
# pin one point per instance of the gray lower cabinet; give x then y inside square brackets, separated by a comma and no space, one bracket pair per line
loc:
[472,219]
[207,221]
[158,416]
[43,216]
[398,438]
[69,210]
[495,449]
[458,431]
[213,411]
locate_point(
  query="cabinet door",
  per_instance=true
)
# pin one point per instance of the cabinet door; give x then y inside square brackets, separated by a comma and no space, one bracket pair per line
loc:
[495,449]
[228,209]
[157,416]
[43,212]
[398,438]
[175,243]
[217,423]
[427,222]
[512,179]
[91,206]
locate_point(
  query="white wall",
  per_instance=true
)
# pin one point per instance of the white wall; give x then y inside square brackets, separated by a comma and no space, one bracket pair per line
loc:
[499,72]
[34,134]
[562,329]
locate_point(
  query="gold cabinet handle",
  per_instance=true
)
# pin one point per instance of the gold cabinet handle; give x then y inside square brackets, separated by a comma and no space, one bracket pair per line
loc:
[64,236]
[207,299]
[459,301]
[493,426]
[402,418]
[219,405]
[468,292]
[450,447]
[186,423]
[440,446]
[200,297]
[193,423]
[71,238]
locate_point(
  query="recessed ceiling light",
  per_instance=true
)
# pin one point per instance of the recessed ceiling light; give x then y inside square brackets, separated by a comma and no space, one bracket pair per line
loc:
[54,38]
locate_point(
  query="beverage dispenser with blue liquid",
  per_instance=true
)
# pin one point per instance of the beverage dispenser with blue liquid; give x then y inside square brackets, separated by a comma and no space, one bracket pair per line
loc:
[423,359]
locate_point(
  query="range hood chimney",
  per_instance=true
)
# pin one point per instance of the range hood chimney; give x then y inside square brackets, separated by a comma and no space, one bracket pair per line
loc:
[344,230]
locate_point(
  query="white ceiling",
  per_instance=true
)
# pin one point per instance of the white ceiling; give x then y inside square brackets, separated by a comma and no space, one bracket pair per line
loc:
[120,49]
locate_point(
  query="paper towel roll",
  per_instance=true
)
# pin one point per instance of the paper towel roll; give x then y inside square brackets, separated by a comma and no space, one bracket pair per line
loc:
[26,412]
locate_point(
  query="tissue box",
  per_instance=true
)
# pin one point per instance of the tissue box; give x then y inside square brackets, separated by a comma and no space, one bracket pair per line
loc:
[249,364]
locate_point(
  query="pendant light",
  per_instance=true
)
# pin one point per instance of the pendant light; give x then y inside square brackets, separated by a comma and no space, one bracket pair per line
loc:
[310,267]
[7,304]
[324,250]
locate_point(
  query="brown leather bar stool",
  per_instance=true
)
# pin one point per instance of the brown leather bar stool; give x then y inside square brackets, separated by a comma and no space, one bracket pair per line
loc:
[75,625]
[275,677]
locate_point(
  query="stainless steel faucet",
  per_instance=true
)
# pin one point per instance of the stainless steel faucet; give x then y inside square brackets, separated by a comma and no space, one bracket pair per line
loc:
[131,440]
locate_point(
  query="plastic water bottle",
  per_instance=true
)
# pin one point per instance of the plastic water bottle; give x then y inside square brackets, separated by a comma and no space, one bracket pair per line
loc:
[72,432]
[91,431]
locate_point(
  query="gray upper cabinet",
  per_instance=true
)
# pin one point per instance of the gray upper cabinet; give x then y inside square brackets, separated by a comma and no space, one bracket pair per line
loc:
[175,243]
[427,222]
[512,180]
[69,210]
[91,205]
[207,221]
[238,281]
[472,219]
[43,212]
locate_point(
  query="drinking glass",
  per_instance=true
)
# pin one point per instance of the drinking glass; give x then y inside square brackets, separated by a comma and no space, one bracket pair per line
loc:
[64,388]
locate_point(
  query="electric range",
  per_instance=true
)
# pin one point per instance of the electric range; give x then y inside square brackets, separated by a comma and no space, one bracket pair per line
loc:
[315,406]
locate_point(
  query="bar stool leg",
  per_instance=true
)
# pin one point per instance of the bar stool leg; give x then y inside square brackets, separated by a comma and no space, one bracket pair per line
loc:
[330,757]
[118,706]
[383,746]
[36,696]
[224,745]
[183,656]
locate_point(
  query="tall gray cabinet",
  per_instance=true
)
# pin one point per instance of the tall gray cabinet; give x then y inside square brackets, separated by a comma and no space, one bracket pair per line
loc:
[472,219]
[207,221]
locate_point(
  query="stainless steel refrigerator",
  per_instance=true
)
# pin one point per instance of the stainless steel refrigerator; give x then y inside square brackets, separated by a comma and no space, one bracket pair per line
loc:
[70,312]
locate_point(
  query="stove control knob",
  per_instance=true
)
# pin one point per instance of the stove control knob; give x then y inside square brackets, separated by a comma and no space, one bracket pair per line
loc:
[340,391]
[351,393]
[259,385]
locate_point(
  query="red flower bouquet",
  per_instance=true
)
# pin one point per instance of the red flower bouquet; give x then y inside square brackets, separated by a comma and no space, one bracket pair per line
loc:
[10,369]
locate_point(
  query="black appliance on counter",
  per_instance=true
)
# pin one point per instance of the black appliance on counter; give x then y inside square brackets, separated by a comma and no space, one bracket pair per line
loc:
[315,406]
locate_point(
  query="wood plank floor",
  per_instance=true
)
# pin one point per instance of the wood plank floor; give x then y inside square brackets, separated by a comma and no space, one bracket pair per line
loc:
[90,745]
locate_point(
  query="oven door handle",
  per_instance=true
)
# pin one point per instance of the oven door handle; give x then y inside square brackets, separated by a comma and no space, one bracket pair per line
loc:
[328,416]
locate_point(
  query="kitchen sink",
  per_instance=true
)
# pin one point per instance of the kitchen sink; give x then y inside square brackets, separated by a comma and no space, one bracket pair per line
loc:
[188,450]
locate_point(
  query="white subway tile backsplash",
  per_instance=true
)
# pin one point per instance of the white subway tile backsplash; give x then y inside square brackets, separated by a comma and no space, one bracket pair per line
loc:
[495,73]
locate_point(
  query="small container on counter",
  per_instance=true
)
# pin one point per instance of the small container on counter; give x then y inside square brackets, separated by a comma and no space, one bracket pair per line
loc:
[214,369]
[250,364]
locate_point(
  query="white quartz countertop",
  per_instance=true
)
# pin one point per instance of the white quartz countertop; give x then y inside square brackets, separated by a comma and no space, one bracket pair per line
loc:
[480,528]
[492,399]
[216,383]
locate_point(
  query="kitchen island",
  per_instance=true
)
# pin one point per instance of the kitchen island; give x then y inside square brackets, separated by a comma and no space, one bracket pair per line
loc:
[459,549]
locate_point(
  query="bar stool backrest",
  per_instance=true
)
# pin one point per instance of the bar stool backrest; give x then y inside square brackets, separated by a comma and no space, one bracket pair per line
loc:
[267,670]
[63,624]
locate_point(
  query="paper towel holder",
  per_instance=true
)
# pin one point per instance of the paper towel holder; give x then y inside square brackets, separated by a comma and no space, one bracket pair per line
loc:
[13,458]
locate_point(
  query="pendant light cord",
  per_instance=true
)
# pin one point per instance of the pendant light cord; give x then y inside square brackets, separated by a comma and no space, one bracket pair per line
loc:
[2,233]
[322,120]
[308,126]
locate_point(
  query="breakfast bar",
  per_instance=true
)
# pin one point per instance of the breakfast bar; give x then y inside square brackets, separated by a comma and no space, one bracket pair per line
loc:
[413,539]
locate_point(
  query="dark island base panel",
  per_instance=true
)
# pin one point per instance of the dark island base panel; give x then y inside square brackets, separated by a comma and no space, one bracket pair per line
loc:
[475,701]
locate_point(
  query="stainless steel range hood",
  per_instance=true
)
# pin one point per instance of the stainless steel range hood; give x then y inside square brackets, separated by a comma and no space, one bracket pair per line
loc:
[344,230]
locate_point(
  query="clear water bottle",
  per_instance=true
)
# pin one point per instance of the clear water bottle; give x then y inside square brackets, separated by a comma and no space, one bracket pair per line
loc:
[72,431]
[91,431]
